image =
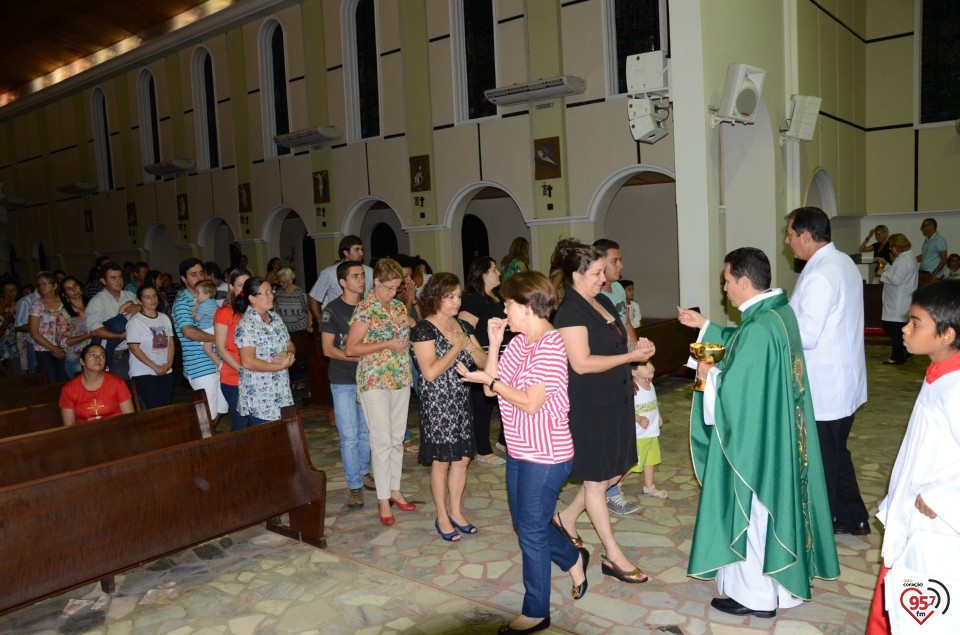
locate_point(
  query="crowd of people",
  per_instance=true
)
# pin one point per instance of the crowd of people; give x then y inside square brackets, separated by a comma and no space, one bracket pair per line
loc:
[560,357]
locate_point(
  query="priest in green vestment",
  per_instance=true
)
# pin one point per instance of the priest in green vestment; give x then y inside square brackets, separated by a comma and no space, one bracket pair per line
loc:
[764,528]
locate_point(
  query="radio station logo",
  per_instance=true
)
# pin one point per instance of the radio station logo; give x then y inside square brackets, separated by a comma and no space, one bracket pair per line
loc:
[922,600]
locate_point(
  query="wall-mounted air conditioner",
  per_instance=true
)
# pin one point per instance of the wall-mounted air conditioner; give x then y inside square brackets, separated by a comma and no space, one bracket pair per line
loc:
[166,168]
[308,137]
[560,86]
[77,187]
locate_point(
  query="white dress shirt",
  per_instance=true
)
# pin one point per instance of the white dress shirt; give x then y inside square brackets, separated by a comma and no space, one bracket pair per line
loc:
[104,306]
[828,301]
[899,282]
[328,288]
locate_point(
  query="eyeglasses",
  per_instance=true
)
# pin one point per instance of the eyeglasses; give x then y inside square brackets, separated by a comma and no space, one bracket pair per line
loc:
[267,292]
[392,289]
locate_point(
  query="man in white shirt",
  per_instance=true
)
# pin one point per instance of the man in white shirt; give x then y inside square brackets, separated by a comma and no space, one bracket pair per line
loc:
[107,304]
[327,287]
[828,301]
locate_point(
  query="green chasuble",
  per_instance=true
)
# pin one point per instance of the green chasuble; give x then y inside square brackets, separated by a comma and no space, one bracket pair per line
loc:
[764,443]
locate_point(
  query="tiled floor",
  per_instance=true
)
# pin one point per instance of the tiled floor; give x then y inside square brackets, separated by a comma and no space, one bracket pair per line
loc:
[375,579]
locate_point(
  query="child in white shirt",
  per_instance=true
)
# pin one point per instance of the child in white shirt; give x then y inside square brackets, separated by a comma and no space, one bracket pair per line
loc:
[647,419]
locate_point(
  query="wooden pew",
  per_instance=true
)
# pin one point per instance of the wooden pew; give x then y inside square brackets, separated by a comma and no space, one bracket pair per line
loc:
[672,340]
[45,393]
[71,529]
[18,382]
[65,449]
[17,421]
[43,416]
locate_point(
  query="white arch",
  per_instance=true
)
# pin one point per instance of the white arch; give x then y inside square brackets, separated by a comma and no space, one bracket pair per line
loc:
[159,243]
[821,193]
[607,190]
[460,201]
[354,216]
[209,226]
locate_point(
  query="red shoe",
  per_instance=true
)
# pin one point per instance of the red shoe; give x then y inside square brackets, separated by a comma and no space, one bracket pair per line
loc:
[404,507]
[387,520]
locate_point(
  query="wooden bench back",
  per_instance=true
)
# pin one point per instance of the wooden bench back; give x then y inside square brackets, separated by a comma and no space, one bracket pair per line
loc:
[65,449]
[17,421]
[71,529]
[16,382]
[30,396]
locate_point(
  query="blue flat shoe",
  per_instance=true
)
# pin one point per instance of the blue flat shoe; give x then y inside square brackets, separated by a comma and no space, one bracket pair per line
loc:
[466,529]
[453,536]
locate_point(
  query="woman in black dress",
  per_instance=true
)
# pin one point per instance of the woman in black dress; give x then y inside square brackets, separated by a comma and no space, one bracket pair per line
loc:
[479,304]
[440,340]
[601,399]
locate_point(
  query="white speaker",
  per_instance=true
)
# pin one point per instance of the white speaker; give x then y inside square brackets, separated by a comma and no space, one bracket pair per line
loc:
[741,93]
[646,120]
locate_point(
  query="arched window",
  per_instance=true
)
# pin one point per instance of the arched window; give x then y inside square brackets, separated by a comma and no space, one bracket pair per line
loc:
[632,26]
[205,111]
[101,140]
[149,120]
[361,68]
[474,57]
[273,87]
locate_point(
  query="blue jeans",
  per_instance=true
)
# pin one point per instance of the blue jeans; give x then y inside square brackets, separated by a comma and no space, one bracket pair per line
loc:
[532,491]
[71,364]
[232,395]
[354,435]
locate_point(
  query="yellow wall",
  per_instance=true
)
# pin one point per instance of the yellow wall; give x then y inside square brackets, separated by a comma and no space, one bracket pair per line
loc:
[864,140]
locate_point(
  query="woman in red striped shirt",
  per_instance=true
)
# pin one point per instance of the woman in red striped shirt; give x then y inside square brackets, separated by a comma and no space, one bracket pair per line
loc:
[530,383]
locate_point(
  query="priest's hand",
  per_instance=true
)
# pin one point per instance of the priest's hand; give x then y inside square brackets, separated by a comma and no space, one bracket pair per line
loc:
[703,369]
[691,318]
[922,507]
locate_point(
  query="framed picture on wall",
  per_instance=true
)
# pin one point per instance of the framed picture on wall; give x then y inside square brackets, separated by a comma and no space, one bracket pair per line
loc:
[420,173]
[131,214]
[546,158]
[321,187]
[245,203]
[183,208]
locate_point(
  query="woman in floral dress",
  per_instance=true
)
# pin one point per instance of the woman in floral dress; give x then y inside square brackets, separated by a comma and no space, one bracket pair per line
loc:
[47,323]
[266,353]
[380,336]
[440,340]
[75,336]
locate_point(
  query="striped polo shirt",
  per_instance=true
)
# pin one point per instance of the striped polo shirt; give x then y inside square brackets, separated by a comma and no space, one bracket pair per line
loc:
[195,362]
[545,436]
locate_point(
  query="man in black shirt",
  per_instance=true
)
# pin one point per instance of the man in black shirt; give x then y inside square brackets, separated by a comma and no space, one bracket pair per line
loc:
[334,325]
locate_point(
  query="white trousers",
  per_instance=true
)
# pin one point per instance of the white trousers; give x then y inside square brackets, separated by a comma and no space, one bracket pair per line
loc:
[744,581]
[386,414]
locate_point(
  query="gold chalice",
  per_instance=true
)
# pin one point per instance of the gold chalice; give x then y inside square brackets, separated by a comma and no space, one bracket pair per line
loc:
[705,351]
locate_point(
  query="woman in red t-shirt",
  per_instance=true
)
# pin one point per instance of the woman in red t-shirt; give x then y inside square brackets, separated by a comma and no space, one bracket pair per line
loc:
[94,393]
[224,325]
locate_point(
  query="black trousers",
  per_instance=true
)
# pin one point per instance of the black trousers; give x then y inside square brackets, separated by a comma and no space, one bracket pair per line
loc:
[154,390]
[482,413]
[898,351]
[51,367]
[846,504]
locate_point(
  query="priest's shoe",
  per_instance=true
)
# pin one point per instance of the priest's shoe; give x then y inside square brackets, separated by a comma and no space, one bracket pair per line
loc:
[862,528]
[731,606]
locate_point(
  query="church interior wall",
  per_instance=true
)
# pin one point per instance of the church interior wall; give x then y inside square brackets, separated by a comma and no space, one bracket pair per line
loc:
[506,147]
[636,218]
[503,221]
[862,85]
